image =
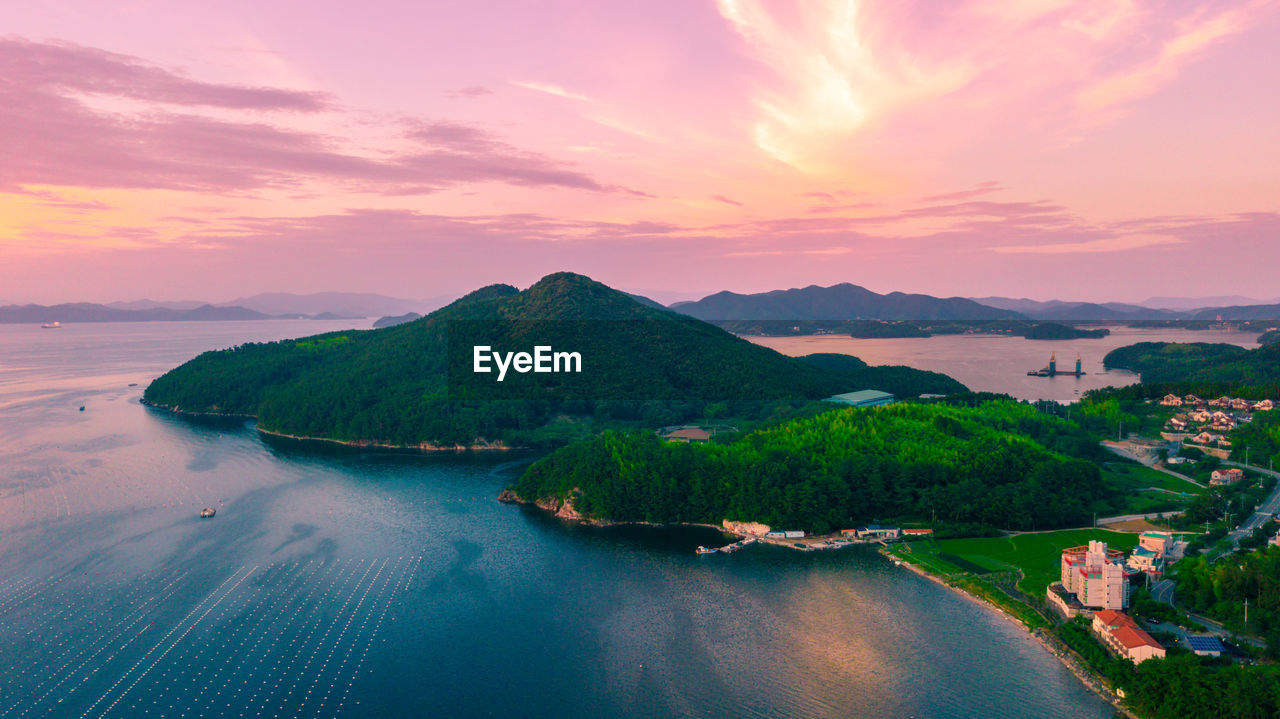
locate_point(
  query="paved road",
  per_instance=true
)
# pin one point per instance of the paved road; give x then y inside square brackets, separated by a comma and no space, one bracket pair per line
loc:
[1265,511]
[1162,591]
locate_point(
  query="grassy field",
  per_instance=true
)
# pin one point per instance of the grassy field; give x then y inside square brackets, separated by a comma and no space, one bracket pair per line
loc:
[1134,477]
[1036,556]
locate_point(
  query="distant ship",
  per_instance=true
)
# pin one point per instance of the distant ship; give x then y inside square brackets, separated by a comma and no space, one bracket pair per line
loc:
[207,512]
[707,550]
[51,325]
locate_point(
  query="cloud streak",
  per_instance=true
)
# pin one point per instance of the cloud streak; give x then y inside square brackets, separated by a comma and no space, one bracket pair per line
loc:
[49,135]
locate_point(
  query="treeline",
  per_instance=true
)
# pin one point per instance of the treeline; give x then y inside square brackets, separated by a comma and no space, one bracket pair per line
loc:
[1181,685]
[1199,363]
[996,465]
[1261,437]
[1219,590]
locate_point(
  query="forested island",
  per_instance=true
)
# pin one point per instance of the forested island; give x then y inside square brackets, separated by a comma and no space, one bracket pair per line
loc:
[649,367]
[1000,464]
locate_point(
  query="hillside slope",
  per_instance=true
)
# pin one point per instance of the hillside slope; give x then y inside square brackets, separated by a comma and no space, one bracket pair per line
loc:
[391,386]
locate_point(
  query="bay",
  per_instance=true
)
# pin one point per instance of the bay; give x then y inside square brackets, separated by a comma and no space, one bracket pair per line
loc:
[998,363]
[341,583]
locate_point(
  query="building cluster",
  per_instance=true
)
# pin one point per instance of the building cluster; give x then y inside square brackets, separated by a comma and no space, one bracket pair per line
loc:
[1207,422]
[1095,579]
[880,531]
[1224,403]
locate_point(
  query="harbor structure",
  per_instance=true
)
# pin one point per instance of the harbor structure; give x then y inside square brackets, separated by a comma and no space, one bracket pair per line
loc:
[1052,369]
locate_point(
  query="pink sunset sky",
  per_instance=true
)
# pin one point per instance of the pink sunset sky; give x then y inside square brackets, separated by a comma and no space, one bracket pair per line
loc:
[1107,150]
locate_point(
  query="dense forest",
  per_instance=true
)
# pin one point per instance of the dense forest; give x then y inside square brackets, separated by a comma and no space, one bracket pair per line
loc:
[1181,685]
[1219,590]
[643,365]
[1002,464]
[1269,337]
[1198,362]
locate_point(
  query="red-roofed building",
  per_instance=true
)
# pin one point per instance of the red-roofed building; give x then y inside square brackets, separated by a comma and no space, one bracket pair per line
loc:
[917,532]
[1121,635]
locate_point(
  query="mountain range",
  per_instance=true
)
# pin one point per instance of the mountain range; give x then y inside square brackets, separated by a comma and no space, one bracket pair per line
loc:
[342,304]
[88,312]
[844,302]
[839,302]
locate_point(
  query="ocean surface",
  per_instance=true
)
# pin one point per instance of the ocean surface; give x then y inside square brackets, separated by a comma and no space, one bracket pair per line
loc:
[992,363]
[340,583]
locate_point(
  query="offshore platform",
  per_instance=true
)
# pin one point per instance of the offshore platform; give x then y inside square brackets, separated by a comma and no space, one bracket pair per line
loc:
[1053,371]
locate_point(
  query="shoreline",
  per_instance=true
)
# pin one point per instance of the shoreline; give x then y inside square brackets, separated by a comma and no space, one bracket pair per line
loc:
[564,511]
[424,447]
[1051,644]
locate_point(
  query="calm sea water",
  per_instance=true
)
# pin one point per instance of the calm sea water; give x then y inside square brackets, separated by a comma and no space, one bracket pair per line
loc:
[361,585]
[990,363]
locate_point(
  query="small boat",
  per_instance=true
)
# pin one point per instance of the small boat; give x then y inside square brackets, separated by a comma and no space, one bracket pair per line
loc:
[707,550]
[51,325]
[207,512]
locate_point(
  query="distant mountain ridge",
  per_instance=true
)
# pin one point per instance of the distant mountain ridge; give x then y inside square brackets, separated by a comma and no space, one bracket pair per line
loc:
[89,312]
[844,301]
[340,304]
[1120,311]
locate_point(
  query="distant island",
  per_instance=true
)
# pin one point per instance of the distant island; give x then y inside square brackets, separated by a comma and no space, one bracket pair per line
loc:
[392,321]
[391,386]
[1055,331]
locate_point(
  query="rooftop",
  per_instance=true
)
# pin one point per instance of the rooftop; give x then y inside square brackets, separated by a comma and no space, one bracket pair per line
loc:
[1205,644]
[862,397]
[1132,637]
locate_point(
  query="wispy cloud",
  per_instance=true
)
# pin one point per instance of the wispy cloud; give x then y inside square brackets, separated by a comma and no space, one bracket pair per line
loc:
[982,188]
[726,200]
[50,136]
[1106,244]
[468,93]
[550,89]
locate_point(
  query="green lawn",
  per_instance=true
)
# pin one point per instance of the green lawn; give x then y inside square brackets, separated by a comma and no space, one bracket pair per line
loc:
[1131,477]
[1038,556]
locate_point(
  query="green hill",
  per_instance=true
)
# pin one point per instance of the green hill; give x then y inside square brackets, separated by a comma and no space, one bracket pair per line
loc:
[391,386]
[999,464]
[1198,362]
